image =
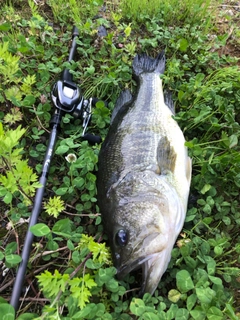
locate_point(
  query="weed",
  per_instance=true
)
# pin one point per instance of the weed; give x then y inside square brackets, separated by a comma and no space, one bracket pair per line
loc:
[17,178]
[172,13]
[80,10]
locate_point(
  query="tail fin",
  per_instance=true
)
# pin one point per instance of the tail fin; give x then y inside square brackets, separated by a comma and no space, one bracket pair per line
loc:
[145,64]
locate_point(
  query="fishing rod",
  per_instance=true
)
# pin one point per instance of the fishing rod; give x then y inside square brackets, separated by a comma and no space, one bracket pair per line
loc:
[67,98]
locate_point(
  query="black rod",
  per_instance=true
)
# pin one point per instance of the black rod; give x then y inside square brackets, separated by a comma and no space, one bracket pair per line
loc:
[20,276]
[75,34]
[55,124]
[66,73]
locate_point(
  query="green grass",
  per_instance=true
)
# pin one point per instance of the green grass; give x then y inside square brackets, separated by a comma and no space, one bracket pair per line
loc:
[172,12]
[202,280]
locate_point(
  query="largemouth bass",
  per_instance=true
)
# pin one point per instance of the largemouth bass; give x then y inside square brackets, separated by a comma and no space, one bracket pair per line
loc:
[144,177]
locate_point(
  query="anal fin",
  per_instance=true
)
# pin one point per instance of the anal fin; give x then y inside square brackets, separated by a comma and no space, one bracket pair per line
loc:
[169,101]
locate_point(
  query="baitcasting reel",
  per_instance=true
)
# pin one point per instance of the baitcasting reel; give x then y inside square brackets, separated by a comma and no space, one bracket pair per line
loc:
[67,97]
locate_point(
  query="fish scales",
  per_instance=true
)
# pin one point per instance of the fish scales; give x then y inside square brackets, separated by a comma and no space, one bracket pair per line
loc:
[134,142]
[144,177]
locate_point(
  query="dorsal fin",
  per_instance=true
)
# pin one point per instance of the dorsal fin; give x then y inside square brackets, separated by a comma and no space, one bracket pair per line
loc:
[124,98]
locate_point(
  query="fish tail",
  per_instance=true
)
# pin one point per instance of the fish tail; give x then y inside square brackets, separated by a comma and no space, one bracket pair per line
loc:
[142,63]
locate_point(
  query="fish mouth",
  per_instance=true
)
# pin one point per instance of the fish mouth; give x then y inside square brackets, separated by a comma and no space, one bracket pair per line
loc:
[145,263]
[153,267]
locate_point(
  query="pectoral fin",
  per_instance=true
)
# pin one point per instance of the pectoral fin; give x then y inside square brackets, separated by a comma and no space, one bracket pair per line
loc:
[166,156]
[189,170]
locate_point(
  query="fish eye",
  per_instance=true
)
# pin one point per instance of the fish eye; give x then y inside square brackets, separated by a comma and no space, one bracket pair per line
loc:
[121,238]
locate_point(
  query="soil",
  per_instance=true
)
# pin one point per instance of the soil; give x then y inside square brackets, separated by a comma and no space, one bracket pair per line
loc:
[229,11]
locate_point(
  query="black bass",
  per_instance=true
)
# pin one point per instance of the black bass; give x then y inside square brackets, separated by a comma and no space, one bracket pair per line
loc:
[144,176]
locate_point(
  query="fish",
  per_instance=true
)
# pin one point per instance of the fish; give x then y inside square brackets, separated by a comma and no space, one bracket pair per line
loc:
[144,177]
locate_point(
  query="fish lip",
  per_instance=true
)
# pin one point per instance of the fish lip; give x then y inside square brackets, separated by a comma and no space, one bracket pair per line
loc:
[133,265]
